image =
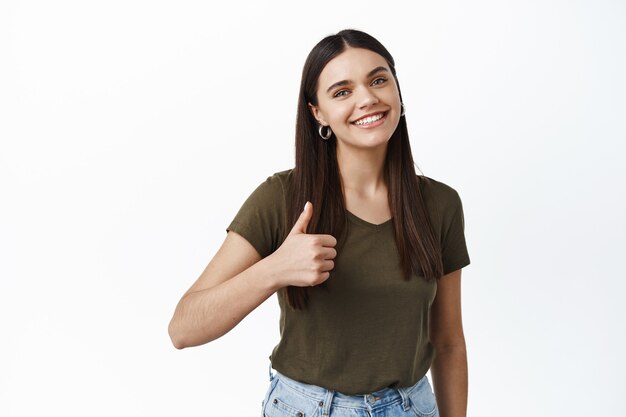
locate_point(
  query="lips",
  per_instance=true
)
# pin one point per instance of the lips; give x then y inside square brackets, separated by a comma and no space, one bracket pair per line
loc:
[370,115]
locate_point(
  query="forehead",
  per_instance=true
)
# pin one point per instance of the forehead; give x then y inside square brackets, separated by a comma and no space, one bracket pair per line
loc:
[352,64]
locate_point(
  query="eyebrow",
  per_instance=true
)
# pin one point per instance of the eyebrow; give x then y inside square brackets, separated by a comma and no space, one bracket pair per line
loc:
[345,82]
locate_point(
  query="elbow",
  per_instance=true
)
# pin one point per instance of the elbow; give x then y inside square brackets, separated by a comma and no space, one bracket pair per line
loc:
[175,336]
[178,344]
[180,339]
[454,347]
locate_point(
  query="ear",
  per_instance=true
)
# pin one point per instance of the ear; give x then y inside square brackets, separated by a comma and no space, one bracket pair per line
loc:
[315,111]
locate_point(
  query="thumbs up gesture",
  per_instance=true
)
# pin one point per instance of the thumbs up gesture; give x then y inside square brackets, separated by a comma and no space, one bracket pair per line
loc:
[304,259]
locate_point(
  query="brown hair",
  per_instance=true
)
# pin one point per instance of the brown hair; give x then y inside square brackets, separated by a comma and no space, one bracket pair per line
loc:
[316,175]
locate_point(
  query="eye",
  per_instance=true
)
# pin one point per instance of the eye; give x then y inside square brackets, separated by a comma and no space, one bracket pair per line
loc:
[381,79]
[338,93]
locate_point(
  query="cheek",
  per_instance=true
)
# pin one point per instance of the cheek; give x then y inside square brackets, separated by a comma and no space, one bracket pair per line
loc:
[340,114]
[392,96]
[334,112]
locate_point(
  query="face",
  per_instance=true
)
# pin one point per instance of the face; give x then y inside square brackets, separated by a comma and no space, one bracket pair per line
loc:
[358,98]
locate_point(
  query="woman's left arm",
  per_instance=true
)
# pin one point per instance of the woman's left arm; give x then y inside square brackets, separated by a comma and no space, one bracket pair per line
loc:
[449,368]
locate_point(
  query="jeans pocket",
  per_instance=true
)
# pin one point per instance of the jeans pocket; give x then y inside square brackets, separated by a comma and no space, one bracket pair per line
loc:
[423,401]
[283,401]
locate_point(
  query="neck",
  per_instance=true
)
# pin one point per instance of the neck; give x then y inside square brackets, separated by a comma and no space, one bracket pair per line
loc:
[361,169]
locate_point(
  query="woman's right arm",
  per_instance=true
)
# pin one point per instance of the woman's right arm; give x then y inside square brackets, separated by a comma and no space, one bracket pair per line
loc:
[234,283]
[237,281]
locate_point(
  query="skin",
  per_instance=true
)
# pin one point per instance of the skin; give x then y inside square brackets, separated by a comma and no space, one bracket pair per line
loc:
[449,368]
[237,279]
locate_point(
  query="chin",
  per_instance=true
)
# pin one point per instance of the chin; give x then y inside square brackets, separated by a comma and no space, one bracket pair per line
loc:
[365,143]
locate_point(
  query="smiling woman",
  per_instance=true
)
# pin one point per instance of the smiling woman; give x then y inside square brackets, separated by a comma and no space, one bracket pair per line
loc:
[363,108]
[367,275]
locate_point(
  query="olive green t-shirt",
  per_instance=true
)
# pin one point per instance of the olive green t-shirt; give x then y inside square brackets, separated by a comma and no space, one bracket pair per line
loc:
[369,329]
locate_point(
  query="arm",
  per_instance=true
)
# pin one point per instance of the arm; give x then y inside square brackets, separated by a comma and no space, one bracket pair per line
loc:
[237,281]
[234,283]
[449,368]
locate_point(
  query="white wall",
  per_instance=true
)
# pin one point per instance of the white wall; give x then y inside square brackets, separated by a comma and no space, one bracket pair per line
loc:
[132,131]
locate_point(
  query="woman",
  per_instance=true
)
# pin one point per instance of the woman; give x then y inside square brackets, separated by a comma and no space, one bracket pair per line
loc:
[367,274]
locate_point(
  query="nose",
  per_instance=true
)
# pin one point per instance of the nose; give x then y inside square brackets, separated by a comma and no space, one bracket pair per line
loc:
[366,98]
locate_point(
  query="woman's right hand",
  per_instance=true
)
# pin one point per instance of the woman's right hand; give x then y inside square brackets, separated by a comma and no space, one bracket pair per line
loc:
[304,259]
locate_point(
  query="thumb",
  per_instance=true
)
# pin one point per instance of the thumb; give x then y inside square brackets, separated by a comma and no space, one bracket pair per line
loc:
[303,220]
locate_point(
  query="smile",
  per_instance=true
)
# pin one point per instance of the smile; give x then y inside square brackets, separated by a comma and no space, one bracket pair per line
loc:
[371,121]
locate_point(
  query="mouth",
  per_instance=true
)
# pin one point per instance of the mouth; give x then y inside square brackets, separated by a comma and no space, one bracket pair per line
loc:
[371,120]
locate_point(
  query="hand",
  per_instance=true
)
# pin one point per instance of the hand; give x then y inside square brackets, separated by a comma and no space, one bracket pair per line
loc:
[304,259]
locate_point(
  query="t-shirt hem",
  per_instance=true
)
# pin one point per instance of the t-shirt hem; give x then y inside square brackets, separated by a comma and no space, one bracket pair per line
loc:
[246,232]
[457,265]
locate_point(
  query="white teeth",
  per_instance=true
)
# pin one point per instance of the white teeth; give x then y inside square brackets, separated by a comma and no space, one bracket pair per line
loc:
[369,120]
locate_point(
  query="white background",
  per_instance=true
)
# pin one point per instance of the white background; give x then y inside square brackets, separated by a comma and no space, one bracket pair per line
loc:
[132,131]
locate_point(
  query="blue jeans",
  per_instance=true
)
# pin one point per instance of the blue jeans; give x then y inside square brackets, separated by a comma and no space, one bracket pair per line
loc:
[286,397]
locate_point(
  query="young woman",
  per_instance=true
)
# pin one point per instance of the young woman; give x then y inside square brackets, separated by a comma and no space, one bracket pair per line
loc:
[368,271]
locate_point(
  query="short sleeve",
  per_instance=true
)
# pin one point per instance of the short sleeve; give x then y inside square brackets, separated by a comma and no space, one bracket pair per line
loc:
[262,217]
[453,245]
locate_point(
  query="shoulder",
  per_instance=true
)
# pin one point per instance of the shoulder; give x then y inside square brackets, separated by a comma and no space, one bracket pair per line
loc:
[278,182]
[282,177]
[437,194]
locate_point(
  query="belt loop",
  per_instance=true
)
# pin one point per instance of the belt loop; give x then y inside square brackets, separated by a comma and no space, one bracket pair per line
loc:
[328,399]
[406,403]
[270,372]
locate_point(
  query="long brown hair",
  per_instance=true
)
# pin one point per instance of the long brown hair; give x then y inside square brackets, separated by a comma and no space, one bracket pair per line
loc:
[316,175]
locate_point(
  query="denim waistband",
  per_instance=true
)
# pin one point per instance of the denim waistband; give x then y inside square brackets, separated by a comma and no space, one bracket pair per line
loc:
[328,397]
